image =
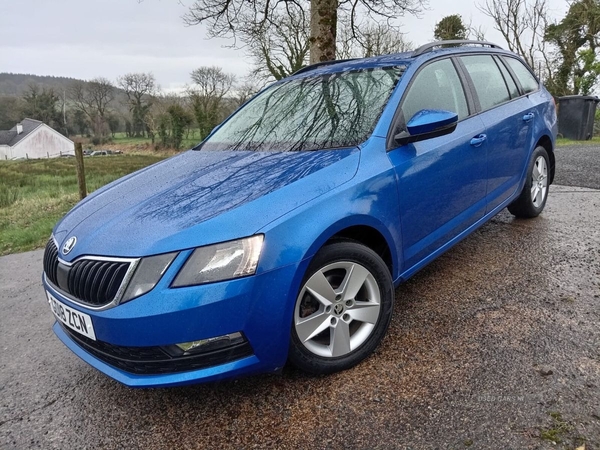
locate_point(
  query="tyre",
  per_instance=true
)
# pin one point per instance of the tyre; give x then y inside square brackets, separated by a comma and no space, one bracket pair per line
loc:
[343,309]
[533,197]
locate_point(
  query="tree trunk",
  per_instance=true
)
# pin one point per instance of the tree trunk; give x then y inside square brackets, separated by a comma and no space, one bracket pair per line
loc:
[323,24]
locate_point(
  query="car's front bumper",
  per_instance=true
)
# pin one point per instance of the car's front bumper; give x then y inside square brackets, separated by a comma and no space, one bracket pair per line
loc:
[258,307]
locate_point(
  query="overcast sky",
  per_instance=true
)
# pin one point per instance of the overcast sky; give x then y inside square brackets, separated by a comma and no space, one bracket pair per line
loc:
[90,38]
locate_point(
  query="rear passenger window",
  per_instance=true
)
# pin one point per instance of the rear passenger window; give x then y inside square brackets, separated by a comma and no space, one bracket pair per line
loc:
[436,86]
[512,87]
[525,77]
[487,78]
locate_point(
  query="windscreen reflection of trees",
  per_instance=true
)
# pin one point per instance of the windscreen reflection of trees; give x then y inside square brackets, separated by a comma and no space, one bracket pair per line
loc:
[328,111]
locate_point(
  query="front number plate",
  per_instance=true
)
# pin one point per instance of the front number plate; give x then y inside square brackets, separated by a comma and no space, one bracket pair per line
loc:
[75,320]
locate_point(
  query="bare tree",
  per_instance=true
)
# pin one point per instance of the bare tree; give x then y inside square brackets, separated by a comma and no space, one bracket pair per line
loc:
[92,98]
[228,17]
[139,88]
[153,118]
[211,85]
[244,91]
[476,32]
[281,47]
[370,39]
[522,23]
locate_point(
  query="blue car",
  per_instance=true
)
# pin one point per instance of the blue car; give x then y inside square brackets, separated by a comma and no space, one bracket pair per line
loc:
[283,235]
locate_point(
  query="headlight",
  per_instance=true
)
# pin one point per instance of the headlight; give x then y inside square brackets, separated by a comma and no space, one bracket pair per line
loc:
[148,272]
[220,262]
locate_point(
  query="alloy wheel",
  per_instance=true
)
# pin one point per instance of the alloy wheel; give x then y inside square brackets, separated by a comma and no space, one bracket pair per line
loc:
[337,309]
[539,181]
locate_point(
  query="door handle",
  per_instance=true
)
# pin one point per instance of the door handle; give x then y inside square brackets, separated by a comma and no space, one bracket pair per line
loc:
[528,117]
[478,140]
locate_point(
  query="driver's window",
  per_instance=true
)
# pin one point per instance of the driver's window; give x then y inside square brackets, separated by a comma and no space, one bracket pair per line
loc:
[436,86]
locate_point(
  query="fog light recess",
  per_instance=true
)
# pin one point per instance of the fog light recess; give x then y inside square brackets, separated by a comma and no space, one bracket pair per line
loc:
[210,344]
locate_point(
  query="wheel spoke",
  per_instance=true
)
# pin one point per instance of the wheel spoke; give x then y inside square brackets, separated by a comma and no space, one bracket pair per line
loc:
[534,192]
[312,326]
[536,172]
[365,312]
[320,288]
[353,281]
[340,339]
[542,166]
[537,198]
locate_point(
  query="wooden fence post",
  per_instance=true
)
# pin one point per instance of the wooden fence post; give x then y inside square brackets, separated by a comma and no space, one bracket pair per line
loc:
[80,170]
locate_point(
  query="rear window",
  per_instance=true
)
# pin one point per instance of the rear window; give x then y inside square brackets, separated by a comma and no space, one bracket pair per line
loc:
[488,80]
[320,112]
[525,77]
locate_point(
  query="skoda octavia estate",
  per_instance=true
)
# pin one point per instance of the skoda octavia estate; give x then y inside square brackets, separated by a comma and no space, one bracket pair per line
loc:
[282,236]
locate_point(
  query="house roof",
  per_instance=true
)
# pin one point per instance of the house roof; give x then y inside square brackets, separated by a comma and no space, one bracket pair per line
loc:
[11,138]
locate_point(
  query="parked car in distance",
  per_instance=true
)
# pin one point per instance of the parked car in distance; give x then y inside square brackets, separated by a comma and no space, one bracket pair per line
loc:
[282,236]
[99,153]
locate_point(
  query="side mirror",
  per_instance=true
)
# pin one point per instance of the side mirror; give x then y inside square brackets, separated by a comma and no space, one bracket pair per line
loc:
[427,124]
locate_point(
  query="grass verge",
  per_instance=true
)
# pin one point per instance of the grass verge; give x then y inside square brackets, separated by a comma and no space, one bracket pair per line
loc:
[563,142]
[35,194]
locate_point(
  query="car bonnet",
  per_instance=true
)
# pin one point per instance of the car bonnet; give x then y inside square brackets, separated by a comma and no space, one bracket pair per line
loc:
[200,197]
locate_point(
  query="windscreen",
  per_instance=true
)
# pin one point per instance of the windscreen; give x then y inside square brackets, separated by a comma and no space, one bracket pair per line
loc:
[327,111]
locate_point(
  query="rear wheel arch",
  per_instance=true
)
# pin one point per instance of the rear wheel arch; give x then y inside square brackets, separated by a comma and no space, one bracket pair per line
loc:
[546,142]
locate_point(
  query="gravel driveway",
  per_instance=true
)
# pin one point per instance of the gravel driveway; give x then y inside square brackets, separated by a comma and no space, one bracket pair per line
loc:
[579,165]
[496,345]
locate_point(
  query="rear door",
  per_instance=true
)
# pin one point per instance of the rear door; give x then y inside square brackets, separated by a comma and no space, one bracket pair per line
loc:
[441,181]
[508,117]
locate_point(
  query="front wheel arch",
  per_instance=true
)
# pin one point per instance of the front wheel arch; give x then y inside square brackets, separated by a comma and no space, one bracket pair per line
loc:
[367,230]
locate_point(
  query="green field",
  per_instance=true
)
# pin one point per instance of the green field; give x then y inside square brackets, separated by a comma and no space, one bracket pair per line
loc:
[34,194]
[121,139]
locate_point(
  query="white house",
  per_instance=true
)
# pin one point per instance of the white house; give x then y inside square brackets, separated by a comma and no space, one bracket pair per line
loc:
[32,139]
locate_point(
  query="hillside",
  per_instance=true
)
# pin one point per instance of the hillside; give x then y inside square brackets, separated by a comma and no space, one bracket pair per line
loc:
[16,84]
[13,86]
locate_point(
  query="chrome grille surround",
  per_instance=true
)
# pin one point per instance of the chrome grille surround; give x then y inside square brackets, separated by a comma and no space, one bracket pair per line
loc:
[52,262]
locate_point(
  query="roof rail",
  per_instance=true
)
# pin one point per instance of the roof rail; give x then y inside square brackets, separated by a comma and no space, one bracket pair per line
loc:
[321,64]
[429,47]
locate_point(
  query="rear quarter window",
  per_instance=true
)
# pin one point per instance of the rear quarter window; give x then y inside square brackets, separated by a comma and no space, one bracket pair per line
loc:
[510,83]
[525,77]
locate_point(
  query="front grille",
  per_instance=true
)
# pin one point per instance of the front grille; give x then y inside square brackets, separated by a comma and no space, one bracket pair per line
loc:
[96,282]
[155,360]
[51,261]
[92,282]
